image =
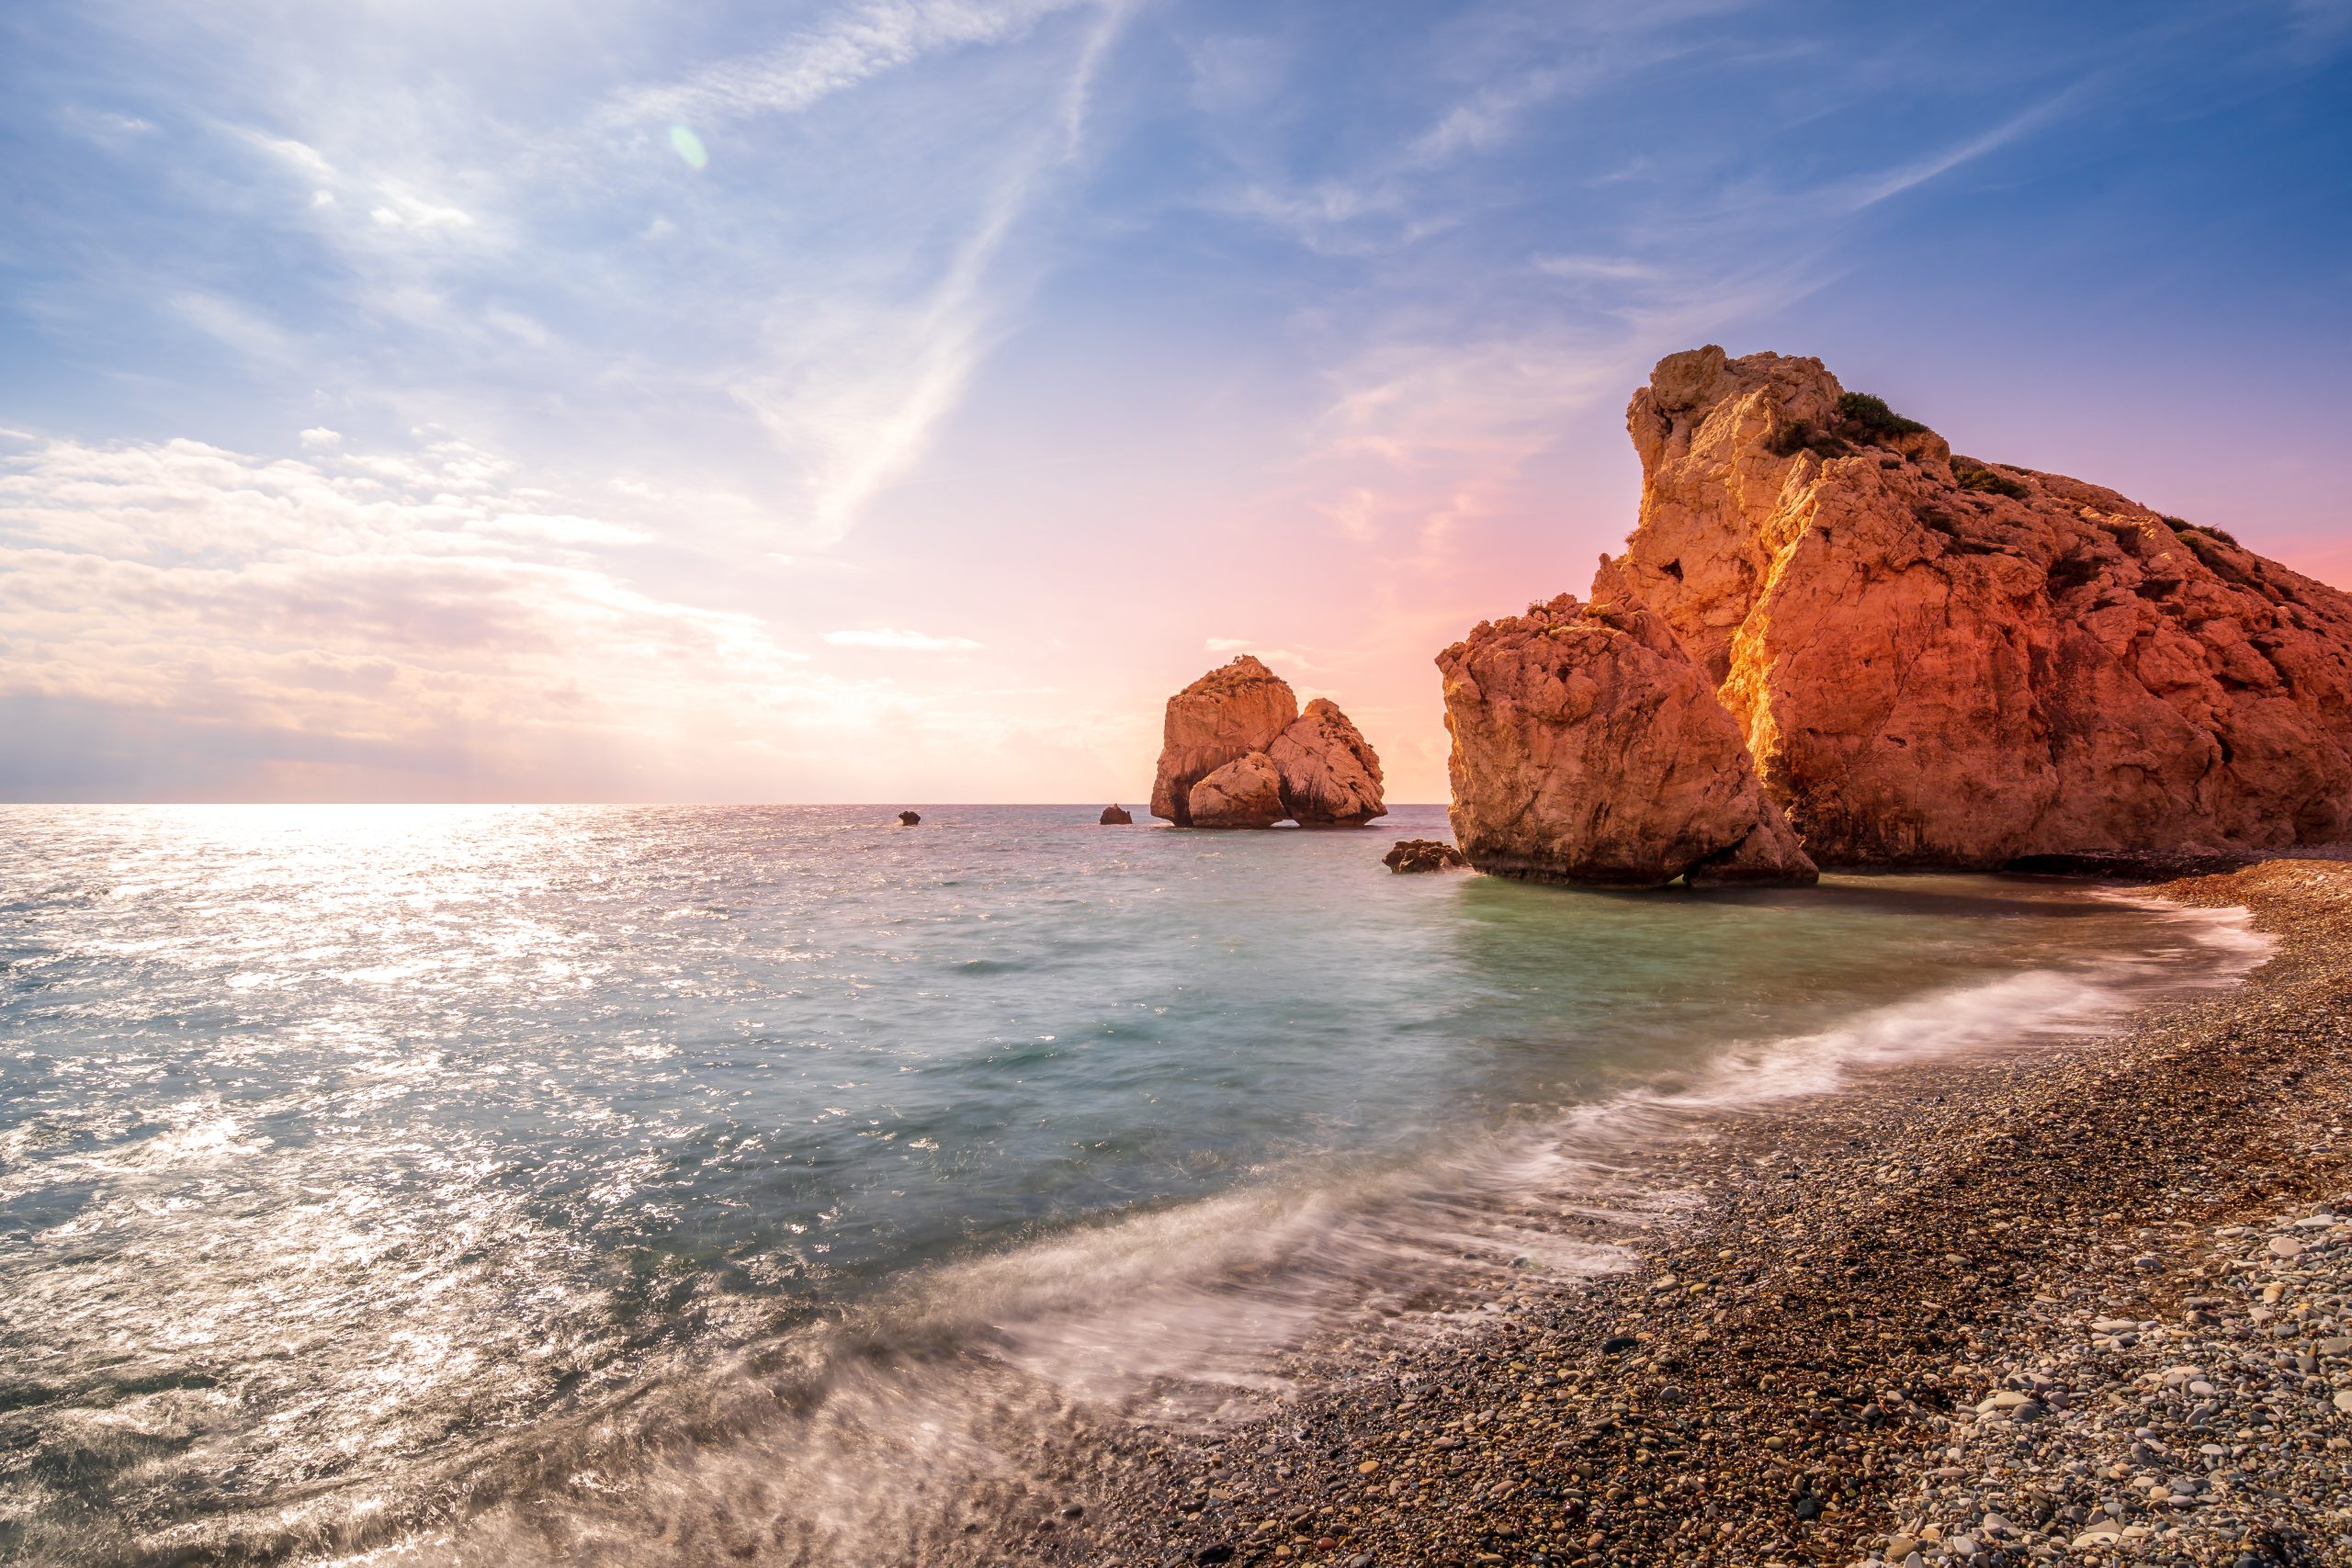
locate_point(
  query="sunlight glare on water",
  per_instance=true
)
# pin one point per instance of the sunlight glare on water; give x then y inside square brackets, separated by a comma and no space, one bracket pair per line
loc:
[365,1172]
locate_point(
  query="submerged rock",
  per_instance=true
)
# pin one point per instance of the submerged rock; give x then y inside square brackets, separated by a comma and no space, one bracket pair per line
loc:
[1330,777]
[1233,710]
[1245,793]
[1588,747]
[1938,660]
[1115,816]
[909,818]
[1424,854]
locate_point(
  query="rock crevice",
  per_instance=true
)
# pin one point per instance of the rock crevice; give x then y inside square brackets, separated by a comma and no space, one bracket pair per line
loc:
[1588,747]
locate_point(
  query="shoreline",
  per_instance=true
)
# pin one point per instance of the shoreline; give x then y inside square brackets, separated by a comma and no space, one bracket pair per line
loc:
[1794,1374]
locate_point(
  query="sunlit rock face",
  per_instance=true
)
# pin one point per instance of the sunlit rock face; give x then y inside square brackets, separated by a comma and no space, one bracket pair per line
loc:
[1940,662]
[1330,777]
[1588,747]
[1245,793]
[1233,710]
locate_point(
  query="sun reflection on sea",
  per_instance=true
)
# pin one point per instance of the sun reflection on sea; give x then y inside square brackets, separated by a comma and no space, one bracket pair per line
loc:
[360,1168]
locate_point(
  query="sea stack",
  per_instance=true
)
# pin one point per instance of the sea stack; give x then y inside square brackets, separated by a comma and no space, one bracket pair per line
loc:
[1115,816]
[1938,660]
[910,819]
[1227,714]
[1239,727]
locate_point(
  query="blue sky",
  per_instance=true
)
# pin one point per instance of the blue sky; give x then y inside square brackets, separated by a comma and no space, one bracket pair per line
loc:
[897,400]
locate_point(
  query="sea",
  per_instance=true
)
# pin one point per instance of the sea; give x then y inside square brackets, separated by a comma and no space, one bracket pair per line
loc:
[683,1184]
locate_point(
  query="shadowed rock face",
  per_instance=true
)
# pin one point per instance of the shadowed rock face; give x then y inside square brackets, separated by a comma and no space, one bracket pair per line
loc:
[1245,793]
[1231,711]
[1331,777]
[1590,747]
[1935,660]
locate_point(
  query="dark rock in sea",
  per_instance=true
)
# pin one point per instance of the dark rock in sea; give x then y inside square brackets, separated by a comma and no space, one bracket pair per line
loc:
[1424,854]
[1117,817]
[910,819]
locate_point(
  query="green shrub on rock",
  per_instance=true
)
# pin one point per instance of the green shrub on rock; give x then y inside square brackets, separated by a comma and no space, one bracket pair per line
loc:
[1869,418]
[1984,481]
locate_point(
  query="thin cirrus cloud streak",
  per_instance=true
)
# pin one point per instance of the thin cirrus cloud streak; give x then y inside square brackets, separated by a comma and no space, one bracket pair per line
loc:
[848,51]
[866,383]
[901,642]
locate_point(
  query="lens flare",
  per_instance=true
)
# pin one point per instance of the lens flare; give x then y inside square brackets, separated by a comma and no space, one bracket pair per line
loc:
[689,147]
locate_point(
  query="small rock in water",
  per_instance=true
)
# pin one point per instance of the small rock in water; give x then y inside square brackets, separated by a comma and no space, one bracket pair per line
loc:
[910,819]
[1117,817]
[1423,854]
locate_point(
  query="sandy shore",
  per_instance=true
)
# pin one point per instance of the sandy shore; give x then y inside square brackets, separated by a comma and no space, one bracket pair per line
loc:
[2091,1305]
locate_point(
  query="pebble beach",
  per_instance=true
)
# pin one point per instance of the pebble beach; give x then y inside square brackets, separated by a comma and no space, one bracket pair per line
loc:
[2089,1305]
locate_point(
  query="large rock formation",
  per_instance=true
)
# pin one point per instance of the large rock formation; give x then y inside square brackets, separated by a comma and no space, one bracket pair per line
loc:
[1331,777]
[1233,710]
[1588,747]
[1245,793]
[1938,660]
[1325,774]
[1930,659]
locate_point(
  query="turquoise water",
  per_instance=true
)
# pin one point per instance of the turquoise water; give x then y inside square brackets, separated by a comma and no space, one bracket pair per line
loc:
[507,1183]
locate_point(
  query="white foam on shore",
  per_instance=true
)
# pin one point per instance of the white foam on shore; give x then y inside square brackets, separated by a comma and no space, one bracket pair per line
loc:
[876,1438]
[2010,1013]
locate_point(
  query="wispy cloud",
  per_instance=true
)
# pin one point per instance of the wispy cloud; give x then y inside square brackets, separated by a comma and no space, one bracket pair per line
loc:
[863,382]
[236,326]
[909,642]
[384,597]
[849,49]
[1871,189]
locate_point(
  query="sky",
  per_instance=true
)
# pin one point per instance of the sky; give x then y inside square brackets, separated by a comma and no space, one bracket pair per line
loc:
[895,401]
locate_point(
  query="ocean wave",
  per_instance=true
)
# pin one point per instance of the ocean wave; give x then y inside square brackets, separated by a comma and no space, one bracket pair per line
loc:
[951,1401]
